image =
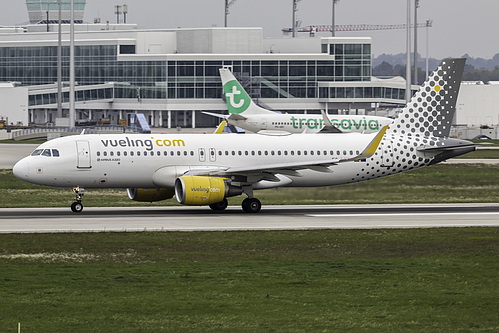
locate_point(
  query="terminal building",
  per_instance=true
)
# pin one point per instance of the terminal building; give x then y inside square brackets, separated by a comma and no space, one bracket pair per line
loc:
[171,75]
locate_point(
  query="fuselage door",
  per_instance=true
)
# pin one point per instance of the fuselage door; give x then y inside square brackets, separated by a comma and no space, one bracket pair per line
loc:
[387,153]
[202,155]
[83,157]
[213,156]
[264,124]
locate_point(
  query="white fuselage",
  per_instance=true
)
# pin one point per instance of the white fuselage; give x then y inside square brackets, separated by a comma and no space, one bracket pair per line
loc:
[156,160]
[309,123]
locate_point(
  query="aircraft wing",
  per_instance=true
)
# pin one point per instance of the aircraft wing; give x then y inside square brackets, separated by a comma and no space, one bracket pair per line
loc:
[268,171]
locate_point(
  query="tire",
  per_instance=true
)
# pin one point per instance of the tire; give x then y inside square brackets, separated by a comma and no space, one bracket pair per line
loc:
[251,205]
[76,207]
[219,206]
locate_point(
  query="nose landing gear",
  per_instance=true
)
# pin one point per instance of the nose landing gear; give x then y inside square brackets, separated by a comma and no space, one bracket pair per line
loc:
[77,206]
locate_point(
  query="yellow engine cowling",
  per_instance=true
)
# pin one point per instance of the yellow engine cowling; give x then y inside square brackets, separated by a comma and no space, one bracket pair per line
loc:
[199,190]
[150,194]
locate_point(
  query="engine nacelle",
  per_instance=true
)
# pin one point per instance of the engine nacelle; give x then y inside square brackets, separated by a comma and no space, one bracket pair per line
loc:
[150,194]
[199,190]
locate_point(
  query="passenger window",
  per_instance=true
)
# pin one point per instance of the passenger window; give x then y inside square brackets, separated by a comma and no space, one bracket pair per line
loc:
[55,153]
[131,153]
[98,153]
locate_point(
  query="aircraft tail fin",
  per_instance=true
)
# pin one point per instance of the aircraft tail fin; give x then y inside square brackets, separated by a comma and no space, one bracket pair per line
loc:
[238,100]
[431,109]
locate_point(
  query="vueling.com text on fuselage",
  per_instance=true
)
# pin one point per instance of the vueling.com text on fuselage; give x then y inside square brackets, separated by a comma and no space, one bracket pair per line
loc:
[148,144]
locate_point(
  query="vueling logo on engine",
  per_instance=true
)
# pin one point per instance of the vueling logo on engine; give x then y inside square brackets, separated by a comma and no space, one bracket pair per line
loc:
[237,99]
[205,189]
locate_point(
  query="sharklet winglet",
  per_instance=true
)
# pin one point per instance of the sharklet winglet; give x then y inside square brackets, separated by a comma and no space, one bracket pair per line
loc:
[373,145]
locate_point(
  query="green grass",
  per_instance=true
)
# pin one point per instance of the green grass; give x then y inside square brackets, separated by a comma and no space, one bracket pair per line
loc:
[483,153]
[427,280]
[438,183]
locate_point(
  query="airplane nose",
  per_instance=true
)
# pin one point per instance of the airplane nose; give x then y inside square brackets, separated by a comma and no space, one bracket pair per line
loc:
[21,169]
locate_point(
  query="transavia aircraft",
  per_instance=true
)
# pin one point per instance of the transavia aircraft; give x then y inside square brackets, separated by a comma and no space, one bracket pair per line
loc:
[244,113]
[205,169]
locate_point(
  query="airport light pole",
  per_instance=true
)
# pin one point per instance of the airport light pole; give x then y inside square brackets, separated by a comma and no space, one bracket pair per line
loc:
[59,64]
[333,24]
[428,25]
[227,5]
[408,92]
[72,111]
[416,6]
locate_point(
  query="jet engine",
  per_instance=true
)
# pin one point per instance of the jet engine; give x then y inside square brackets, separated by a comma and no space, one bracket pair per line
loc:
[150,194]
[199,190]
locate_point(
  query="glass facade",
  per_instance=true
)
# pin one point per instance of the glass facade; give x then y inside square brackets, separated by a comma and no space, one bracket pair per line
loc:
[352,61]
[98,64]
[370,93]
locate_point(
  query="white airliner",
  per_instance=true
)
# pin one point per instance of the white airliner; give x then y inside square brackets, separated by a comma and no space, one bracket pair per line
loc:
[205,169]
[244,113]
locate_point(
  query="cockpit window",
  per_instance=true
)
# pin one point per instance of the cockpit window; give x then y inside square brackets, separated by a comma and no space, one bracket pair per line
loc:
[46,152]
[37,152]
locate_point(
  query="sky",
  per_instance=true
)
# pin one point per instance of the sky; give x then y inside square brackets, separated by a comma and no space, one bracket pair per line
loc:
[459,26]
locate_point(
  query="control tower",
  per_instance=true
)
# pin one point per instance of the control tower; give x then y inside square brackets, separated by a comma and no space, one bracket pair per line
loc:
[47,11]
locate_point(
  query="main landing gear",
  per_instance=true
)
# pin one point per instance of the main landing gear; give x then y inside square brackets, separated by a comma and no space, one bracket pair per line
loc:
[77,206]
[250,205]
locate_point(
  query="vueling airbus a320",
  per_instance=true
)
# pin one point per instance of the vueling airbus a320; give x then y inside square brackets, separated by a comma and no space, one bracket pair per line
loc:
[205,169]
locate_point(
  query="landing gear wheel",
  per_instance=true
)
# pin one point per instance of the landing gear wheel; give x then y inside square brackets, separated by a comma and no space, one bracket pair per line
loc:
[251,205]
[77,207]
[222,205]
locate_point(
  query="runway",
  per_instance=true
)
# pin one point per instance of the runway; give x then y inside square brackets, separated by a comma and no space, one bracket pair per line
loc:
[128,219]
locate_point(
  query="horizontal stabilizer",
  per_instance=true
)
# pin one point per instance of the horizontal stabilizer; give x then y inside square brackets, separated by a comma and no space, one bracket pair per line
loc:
[218,115]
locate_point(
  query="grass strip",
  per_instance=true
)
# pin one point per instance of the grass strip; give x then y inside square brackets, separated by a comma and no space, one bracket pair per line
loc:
[435,184]
[438,280]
